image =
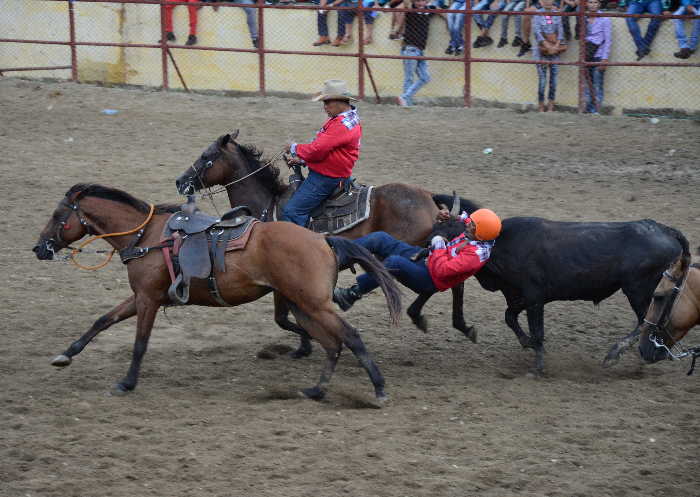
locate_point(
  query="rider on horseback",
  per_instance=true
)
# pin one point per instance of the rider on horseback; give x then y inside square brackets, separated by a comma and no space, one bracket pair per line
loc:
[330,157]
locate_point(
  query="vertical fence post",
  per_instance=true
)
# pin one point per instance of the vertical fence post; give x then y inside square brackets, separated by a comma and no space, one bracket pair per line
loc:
[261,47]
[468,54]
[361,50]
[163,46]
[582,68]
[73,48]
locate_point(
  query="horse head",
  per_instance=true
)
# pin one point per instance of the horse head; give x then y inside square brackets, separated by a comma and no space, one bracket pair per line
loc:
[658,334]
[210,168]
[65,226]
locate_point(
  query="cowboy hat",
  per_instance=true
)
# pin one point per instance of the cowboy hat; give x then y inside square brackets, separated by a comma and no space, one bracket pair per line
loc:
[334,89]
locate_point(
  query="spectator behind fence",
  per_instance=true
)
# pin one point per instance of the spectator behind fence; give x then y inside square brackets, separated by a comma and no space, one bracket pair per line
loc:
[415,38]
[170,32]
[525,46]
[571,6]
[484,25]
[640,7]
[549,44]
[251,18]
[455,26]
[512,6]
[687,45]
[598,42]
[322,24]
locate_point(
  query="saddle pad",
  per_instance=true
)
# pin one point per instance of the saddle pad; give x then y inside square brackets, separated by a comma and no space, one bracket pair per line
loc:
[342,213]
[241,240]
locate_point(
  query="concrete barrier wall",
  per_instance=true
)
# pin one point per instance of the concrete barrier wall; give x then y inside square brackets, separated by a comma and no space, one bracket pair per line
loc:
[626,87]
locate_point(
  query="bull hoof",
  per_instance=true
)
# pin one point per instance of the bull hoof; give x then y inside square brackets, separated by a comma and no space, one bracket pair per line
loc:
[119,390]
[471,334]
[314,393]
[420,321]
[61,361]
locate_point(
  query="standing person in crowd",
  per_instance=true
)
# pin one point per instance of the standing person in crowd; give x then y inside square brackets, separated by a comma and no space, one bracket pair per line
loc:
[687,45]
[571,6]
[330,157]
[322,24]
[549,44]
[449,263]
[512,6]
[192,11]
[455,27]
[640,7]
[415,39]
[598,42]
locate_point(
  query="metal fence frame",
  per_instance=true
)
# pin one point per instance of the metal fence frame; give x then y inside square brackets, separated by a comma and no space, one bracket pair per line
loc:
[362,57]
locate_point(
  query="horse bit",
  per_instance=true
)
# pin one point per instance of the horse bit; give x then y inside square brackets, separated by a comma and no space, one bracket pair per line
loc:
[662,323]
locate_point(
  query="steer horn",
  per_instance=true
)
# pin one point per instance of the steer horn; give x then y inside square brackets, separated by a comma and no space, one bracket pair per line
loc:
[455,204]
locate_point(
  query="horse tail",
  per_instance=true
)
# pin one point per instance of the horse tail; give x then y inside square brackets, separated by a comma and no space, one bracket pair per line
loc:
[349,253]
[464,203]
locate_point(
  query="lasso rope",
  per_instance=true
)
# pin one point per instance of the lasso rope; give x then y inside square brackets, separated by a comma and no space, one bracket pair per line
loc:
[97,237]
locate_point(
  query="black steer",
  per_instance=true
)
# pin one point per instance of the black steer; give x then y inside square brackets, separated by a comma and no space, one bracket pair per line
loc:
[536,261]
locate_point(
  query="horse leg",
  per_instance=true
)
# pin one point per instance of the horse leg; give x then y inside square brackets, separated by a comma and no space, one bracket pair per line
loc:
[121,312]
[458,313]
[353,341]
[414,311]
[535,321]
[146,310]
[282,320]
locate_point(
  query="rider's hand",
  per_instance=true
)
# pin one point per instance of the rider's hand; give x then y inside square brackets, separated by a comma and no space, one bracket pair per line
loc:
[288,147]
[442,215]
[437,242]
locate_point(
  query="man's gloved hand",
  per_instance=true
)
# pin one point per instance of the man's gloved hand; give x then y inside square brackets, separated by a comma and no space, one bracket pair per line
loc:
[437,242]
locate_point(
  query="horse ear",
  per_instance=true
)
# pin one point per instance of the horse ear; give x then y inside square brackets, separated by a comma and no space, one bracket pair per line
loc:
[234,135]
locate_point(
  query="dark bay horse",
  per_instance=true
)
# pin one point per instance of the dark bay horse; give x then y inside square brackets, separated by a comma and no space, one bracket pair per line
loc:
[405,212]
[301,267]
[674,310]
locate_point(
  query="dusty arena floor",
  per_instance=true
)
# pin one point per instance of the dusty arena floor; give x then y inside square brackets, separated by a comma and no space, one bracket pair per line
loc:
[210,418]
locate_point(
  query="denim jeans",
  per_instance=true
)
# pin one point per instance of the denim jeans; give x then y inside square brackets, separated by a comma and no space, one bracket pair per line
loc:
[396,256]
[485,5]
[455,24]
[595,78]
[314,190]
[251,18]
[692,41]
[322,24]
[513,6]
[542,81]
[652,7]
[411,68]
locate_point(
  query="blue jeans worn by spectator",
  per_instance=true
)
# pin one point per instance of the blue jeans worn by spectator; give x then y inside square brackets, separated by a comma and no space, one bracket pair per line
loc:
[251,18]
[596,77]
[455,25]
[692,41]
[513,6]
[413,67]
[314,190]
[542,81]
[652,7]
[396,257]
[322,24]
[486,5]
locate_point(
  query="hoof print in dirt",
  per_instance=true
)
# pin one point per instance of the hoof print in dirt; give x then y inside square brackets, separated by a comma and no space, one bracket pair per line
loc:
[274,351]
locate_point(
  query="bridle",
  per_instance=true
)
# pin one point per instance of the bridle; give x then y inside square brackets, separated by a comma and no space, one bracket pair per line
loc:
[64,225]
[675,351]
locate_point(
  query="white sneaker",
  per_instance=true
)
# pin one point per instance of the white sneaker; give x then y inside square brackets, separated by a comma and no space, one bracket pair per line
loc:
[402,102]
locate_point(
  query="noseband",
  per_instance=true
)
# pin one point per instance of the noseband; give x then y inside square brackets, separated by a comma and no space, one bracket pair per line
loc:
[63,223]
[661,324]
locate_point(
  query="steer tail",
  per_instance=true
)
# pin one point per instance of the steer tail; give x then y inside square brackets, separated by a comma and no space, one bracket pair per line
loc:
[349,253]
[685,254]
[447,200]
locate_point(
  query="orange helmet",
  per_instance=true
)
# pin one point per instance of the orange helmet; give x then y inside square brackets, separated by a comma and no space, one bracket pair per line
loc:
[488,224]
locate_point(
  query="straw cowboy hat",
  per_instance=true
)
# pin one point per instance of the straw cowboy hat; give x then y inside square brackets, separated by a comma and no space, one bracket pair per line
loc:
[334,89]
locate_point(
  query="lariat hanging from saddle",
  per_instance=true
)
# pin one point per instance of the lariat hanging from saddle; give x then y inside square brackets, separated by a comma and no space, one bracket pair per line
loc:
[346,207]
[199,246]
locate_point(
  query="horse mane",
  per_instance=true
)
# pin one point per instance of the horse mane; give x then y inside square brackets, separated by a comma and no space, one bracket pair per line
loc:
[94,190]
[269,176]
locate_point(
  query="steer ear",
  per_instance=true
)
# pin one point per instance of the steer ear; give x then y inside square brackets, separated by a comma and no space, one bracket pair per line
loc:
[455,204]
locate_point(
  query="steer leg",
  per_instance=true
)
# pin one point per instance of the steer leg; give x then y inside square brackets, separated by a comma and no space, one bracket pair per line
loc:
[414,311]
[458,313]
[283,321]
[535,321]
[639,297]
[121,312]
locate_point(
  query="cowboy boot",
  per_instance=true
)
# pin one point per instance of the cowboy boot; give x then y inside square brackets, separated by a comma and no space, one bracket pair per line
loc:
[346,297]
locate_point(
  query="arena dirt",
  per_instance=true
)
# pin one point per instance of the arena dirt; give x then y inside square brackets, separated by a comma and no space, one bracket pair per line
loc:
[211,418]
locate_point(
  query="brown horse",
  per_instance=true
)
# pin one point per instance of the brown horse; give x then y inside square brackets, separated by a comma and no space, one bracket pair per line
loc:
[405,212]
[301,267]
[674,310]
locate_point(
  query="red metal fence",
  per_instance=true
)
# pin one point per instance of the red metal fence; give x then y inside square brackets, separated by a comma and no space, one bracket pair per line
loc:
[363,67]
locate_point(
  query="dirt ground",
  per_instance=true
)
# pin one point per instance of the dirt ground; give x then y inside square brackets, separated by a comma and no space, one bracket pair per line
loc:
[211,418]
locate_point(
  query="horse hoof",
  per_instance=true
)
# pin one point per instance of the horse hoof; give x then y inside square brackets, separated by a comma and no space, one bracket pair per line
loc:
[472,334]
[119,390]
[300,353]
[61,361]
[314,393]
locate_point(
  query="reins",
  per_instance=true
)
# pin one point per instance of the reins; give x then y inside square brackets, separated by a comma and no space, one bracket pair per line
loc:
[111,254]
[223,188]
